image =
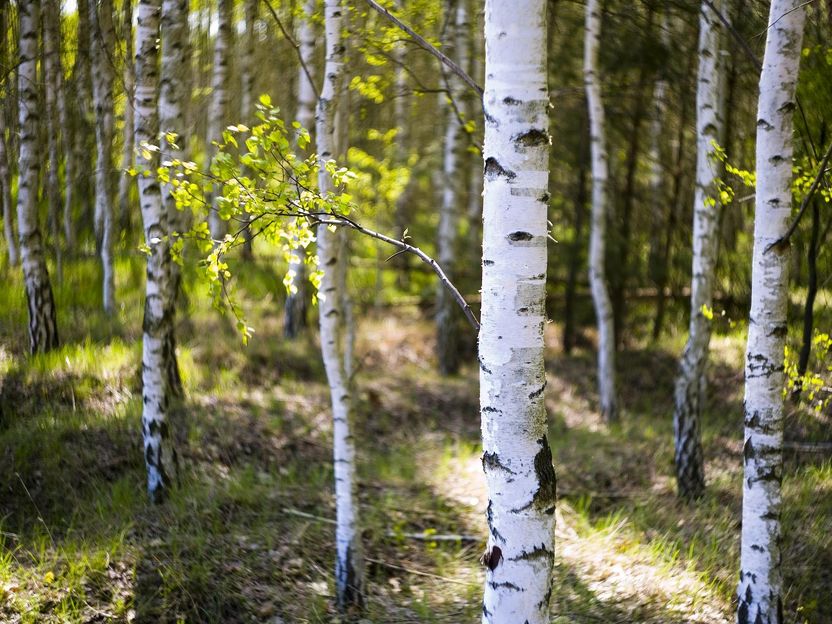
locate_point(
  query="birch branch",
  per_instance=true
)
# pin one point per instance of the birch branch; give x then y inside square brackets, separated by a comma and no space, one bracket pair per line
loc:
[443,58]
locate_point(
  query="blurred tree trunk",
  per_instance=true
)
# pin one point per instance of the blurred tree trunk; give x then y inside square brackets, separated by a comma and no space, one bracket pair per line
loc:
[43,328]
[517,459]
[159,452]
[349,562]
[598,232]
[174,31]
[102,53]
[690,471]
[5,170]
[297,301]
[53,87]
[811,294]
[575,255]
[760,590]
[125,180]
[453,189]
[247,81]
[217,115]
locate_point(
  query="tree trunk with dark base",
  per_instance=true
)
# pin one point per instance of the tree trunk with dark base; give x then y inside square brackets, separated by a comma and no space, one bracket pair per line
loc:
[760,590]
[43,327]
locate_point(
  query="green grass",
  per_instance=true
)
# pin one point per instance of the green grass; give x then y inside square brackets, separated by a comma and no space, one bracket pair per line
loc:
[247,536]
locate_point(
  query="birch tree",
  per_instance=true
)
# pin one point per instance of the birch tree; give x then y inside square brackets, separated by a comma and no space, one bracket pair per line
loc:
[8,205]
[453,188]
[43,327]
[174,31]
[125,181]
[53,74]
[247,82]
[760,591]
[103,37]
[690,472]
[160,457]
[295,312]
[516,458]
[219,98]
[349,562]
[598,229]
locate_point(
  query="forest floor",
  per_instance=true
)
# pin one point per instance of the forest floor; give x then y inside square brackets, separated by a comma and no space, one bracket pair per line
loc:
[247,535]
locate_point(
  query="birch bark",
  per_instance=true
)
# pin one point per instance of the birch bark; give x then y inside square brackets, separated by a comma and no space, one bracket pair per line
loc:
[125,181]
[219,99]
[516,458]
[174,30]
[453,189]
[598,229]
[101,19]
[760,590]
[159,453]
[5,170]
[53,73]
[349,563]
[690,472]
[297,301]
[43,329]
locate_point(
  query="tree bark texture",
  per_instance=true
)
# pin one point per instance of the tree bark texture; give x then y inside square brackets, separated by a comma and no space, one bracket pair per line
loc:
[760,591]
[517,459]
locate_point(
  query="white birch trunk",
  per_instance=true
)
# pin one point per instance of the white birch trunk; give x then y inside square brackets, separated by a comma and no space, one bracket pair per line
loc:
[760,590]
[516,458]
[8,205]
[598,233]
[53,74]
[295,312]
[125,181]
[247,82]
[101,19]
[453,187]
[349,563]
[219,98]
[159,454]
[174,30]
[43,330]
[690,471]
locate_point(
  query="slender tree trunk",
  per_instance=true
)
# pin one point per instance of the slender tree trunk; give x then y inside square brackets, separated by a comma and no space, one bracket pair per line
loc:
[453,188]
[174,29]
[219,98]
[8,205]
[690,470]
[53,79]
[5,170]
[43,328]
[402,109]
[760,590]
[297,301]
[101,18]
[159,452]
[84,143]
[349,563]
[575,255]
[516,458]
[811,294]
[125,181]
[598,232]
[247,80]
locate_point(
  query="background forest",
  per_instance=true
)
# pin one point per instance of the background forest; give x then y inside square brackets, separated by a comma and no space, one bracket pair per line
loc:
[243,234]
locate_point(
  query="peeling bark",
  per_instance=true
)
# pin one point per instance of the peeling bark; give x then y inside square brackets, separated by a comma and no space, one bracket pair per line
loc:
[517,460]
[760,590]
[598,230]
